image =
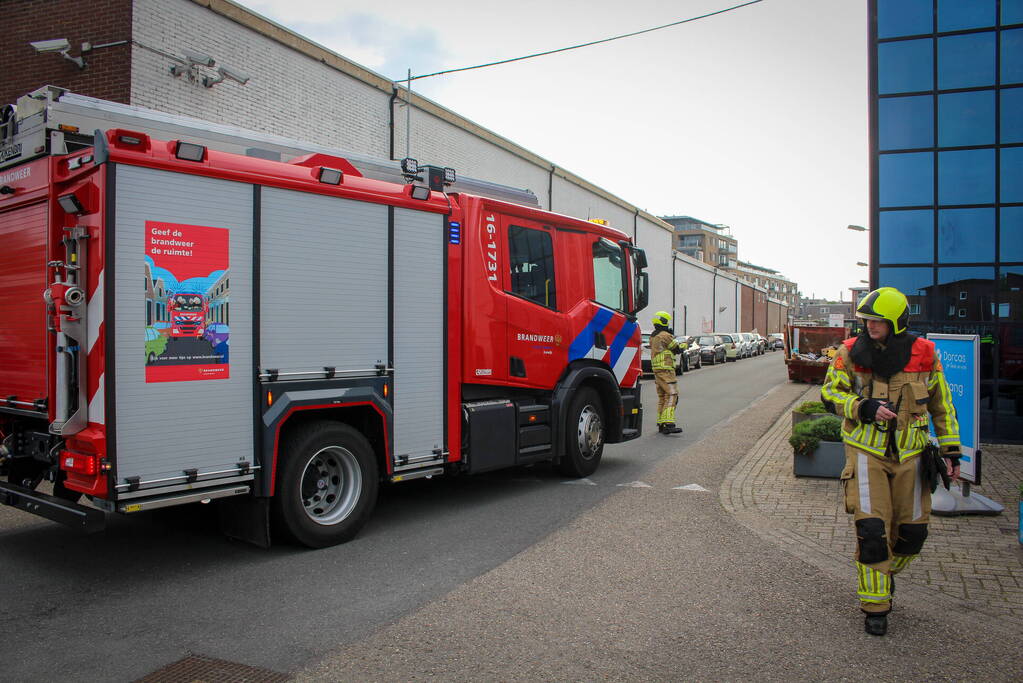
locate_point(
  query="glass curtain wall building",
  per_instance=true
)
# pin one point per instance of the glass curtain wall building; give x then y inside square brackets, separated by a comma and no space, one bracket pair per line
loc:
[946,80]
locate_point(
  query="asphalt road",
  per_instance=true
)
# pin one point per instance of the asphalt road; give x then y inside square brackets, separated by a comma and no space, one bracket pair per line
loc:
[155,588]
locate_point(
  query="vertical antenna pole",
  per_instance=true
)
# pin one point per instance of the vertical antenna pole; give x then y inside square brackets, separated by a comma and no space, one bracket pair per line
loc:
[408,116]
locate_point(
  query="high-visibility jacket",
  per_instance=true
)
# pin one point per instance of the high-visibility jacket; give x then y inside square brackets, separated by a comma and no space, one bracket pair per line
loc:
[918,389]
[662,349]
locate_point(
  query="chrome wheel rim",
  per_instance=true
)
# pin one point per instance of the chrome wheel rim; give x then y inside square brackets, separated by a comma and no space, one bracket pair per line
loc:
[590,432]
[330,485]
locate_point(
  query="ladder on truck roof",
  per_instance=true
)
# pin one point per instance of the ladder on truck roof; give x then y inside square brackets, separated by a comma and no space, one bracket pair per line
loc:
[53,120]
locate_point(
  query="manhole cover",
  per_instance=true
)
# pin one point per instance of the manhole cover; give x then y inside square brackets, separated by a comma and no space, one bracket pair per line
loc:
[199,669]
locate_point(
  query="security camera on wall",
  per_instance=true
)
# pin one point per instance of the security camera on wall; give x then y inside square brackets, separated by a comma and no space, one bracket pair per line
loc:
[198,58]
[223,73]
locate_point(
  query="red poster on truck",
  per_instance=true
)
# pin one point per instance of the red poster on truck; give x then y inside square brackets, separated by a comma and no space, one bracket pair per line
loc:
[187,303]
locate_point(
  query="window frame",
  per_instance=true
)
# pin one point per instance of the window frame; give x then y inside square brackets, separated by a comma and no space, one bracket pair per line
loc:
[548,233]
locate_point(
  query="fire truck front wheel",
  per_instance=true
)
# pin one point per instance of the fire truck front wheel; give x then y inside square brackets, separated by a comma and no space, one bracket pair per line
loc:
[327,485]
[584,435]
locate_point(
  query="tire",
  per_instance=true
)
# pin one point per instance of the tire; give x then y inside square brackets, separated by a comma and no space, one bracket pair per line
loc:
[584,435]
[327,485]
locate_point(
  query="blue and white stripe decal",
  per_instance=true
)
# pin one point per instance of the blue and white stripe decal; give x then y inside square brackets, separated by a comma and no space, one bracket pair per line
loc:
[582,345]
[621,339]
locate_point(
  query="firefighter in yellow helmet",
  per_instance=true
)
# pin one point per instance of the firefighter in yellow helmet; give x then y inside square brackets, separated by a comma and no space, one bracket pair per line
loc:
[663,347]
[885,383]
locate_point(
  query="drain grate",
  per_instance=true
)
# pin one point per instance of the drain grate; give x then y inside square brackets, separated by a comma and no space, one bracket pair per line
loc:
[199,669]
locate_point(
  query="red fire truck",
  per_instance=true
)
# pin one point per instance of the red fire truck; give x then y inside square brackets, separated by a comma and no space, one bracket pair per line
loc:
[187,314]
[379,332]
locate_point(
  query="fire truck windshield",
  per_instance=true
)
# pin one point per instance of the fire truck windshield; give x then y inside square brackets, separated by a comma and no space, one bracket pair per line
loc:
[188,302]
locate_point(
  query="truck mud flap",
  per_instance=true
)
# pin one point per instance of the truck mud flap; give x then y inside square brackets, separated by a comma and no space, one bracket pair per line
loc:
[89,520]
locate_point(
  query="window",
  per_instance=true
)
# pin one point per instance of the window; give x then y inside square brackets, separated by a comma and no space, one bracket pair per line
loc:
[914,309]
[531,256]
[1011,241]
[906,179]
[967,61]
[966,177]
[966,118]
[906,236]
[1012,56]
[956,15]
[966,235]
[904,17]
[966,292]
[1012,115]
[1012,174]
[824,310]
[607,274]
[905,66]
[906,122]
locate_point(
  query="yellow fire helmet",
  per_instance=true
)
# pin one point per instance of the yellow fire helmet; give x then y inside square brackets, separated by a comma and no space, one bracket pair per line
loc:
[885,303]
[662,318]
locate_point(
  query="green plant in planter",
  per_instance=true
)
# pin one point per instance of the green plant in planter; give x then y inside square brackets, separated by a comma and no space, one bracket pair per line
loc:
[806,436]
[811,407]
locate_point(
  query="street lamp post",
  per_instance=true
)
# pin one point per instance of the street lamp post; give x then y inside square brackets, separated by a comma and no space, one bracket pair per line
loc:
[860,228]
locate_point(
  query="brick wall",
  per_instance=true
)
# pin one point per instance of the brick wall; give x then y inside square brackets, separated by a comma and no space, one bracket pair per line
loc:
[108,71]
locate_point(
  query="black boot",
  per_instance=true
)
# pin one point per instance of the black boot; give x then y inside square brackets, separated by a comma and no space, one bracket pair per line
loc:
[876,624]
[670,428]
[660,427]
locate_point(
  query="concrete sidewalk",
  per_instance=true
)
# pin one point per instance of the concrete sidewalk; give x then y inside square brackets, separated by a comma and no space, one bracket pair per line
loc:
[744,576]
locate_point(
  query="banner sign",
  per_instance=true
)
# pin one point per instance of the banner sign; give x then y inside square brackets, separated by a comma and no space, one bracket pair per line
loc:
[187,280]
[960,359]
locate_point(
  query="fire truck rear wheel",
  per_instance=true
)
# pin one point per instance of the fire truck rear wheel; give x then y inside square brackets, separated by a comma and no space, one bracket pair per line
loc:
[584,432]
[327,485]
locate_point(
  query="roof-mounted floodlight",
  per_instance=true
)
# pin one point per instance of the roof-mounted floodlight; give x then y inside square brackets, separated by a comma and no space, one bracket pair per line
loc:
[189,151]
[330,176]
[410,169]
[60,46]
[420,192]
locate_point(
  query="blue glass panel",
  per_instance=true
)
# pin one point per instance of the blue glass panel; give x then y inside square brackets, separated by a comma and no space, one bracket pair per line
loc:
[966,177]
[1012,12]
[1012,174]
[966,61]
[966,118]
[1012,56]
[905,122]
[964,293]
[1011,231]
[1012,115]
[915,282]
[905,66]
[906,179]
[1010,305]
[906,237]
[966,235]
[956,15]
[904,17]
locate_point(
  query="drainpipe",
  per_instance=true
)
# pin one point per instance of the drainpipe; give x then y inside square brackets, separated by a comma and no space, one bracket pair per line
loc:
[714,303]
[390,121]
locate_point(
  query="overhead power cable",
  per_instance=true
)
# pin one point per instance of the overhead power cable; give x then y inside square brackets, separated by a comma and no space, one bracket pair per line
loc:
[576,47]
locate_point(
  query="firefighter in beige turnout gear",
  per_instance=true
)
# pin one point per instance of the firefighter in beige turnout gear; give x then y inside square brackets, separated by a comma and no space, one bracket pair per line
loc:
[663,347]
[885,383]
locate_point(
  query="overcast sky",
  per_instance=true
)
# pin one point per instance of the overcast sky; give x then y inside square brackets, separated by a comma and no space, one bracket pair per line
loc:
[755,118]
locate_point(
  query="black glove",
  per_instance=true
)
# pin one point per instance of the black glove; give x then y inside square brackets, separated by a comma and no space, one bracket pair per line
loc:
[868,409]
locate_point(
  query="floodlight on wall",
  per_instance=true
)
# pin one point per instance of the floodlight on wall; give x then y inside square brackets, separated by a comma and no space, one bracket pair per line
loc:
[223,73]
[59,45]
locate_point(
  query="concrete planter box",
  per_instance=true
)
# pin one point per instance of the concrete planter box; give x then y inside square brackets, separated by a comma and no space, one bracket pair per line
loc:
[802,417]
[828,461]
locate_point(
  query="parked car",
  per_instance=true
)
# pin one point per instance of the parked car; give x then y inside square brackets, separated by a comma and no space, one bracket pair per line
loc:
[754,343]
[690,358]
[748,349]
[761,343]
[712,349]
[733,345]
[775,341]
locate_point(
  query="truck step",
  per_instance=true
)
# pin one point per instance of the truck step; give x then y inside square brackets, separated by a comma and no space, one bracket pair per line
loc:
[202,496]
[87,519]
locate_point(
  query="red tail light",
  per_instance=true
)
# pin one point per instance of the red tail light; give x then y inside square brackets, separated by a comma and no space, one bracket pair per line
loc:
[79,462]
